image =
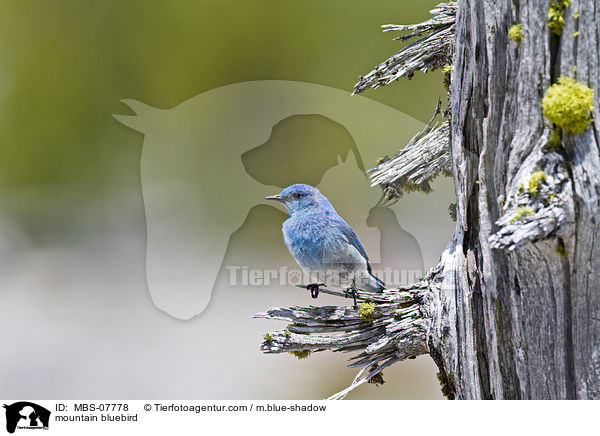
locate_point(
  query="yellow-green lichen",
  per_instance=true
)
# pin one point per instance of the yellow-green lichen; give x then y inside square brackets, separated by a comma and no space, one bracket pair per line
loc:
[575,35]
[446,385]
[366,311]
[560,250]
[447,75]
[535,180]
[521,212]
[381,160]
[288,333]
[521,189]
[269,337]
[569,105]
[301,354]
[377,379]
[574,69]
[516,33]
[555,140]
[556,16]
[576,14]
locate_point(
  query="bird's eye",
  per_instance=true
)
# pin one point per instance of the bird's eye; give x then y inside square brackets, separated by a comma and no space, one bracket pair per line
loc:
[296,195]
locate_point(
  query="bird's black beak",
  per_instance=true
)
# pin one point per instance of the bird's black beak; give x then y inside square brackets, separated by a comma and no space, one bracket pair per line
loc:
[274,197]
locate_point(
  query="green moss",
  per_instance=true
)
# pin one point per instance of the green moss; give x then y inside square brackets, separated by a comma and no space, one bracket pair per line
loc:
[521,212]
[560,250]
[366,311]
[569,105]
[377,379]
[301,354]
[575,35]
[521,189]
[516,33]
[446,386]
[576,14]
[556,16]
[381,160]
[447,75]
[535,180]
[555,140]
[288,333]
[269,337]
[574,69]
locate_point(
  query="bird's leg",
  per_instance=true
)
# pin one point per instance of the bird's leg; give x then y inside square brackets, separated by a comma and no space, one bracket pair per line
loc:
[351,291]
[314,289]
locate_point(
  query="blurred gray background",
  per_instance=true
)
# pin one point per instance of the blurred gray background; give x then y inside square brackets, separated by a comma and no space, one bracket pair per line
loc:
[77,317]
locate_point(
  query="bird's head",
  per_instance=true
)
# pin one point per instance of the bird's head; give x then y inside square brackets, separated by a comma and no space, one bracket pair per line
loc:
[299,197]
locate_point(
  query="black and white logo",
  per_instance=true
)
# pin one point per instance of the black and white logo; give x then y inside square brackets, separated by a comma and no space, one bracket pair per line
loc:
[26,415]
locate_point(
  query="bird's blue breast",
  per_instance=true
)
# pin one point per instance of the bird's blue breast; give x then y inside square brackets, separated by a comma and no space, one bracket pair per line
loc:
[305,237]
[321,240]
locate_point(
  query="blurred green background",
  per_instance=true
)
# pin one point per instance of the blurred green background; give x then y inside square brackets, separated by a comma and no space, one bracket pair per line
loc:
[64,66]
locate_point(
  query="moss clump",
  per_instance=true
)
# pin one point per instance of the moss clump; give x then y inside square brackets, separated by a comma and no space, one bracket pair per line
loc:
[269,337]
[521,212]
[447,75]
[366,311]
[569,105]
[301,354]
[560,250]
[447,390]
[516,33]
[521,189]
[288,333]
[377,379]
[382,160]
[535,180]
[555,140]
[556,16]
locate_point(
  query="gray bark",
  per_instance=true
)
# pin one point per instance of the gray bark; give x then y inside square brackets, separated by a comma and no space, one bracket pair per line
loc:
[512,311]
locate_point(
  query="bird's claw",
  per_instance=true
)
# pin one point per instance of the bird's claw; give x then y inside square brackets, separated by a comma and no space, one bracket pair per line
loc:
[351,292]
[314,289]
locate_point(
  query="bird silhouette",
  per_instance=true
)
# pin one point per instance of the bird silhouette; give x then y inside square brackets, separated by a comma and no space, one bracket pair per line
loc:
[196,190]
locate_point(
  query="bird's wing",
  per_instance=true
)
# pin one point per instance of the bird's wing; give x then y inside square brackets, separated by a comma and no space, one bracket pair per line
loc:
[350,236]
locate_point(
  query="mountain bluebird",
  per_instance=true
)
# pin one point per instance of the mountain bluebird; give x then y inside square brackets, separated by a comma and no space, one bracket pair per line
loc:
[323,244]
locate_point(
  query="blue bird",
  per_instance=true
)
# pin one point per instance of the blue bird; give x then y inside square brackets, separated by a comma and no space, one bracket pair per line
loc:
[323,244]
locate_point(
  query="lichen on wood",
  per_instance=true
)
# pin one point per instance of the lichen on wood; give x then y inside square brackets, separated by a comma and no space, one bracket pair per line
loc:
[391,326]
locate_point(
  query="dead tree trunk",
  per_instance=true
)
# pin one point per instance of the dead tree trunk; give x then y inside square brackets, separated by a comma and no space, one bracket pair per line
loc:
[513,308]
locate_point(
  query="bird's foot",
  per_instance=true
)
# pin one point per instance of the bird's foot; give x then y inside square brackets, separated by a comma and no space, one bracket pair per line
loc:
[351,291]
[314,289]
